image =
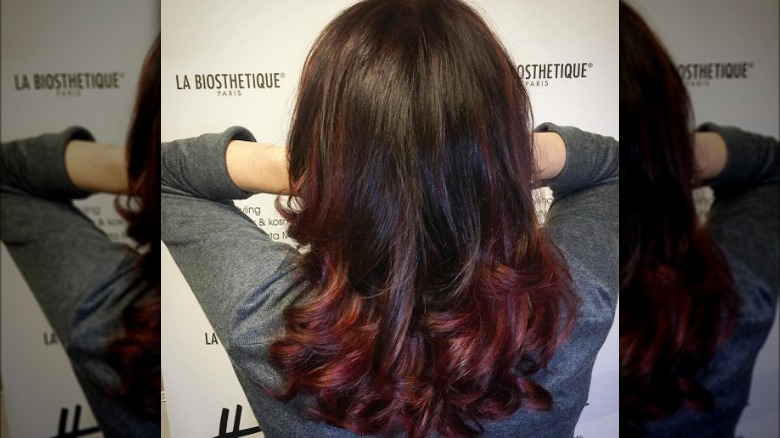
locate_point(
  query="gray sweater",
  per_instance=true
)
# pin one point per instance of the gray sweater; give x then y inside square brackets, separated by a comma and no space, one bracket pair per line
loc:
[81,279]
[744,222]
[244,280]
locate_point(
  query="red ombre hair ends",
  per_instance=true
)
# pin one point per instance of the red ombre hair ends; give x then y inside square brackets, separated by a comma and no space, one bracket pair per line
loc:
[136,354]
[436,295]
[678,302]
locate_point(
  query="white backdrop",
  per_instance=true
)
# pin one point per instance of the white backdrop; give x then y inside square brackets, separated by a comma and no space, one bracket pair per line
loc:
[41,37]
[743,35]
[203,37]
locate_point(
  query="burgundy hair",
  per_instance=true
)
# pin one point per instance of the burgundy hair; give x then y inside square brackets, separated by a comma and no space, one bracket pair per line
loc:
[678,302]
[436,295]
[136,355]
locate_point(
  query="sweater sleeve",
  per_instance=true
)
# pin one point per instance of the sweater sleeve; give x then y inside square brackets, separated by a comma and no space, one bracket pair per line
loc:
[744,216]
[36,166]
[61,254]
[81,280]
[583,219]
[232,266]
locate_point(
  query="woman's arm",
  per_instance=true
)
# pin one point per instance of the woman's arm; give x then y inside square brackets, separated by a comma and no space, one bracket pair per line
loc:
[97,167]
[227,260]
[709,150]
[262,168]
[550,153]
[744,218]
[35,166]
[257,167]
[60,252]
[741,158]
[67,165]
[583,219]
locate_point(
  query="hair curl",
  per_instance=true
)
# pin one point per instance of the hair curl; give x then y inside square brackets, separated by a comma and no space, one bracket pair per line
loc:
[678,302]
[436,295]
[136,354]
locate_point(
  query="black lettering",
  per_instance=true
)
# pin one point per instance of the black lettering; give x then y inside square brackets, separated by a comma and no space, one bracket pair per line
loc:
[73,81]
[701,73]
[567,71]
[530,72]
[236,432]
[75,431]
[185,84]
[50,338]
[91,209]
[707,71]
[24,85]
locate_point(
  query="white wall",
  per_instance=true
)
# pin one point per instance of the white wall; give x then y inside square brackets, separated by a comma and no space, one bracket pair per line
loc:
[741,34]
[207,37]
[50,37]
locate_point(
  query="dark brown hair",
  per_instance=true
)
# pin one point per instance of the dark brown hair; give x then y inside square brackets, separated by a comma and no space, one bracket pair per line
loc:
[436,295]
[136,355]
[677,298]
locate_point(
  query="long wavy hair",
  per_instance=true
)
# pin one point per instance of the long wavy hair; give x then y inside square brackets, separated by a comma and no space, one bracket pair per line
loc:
[436,294]
[136,354]
[678,302]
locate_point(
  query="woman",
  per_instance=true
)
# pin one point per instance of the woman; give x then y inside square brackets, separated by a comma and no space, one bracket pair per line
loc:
[697,301]
[101,298]
[427,300]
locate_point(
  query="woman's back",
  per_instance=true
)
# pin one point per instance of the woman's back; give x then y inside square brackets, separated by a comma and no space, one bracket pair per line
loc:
[245,282]
[743,222]
[697,301]
[427,297]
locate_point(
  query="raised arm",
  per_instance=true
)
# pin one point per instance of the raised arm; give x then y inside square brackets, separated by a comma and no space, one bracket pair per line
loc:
[62,255]
[709,150]
[257,167]
[224,256]
[584,216]
[744,217]
[262,167]
[96,167]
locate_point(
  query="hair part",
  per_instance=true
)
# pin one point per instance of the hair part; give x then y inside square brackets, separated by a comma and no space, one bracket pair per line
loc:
[436,295]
